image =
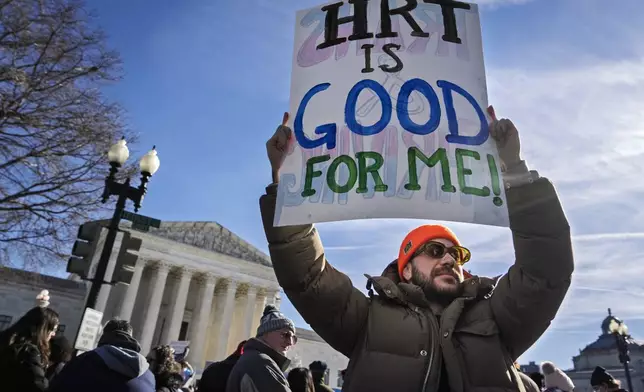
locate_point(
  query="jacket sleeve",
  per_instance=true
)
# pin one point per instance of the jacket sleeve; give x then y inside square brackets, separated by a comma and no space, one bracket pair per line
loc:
[264,380]
[262,375]
[29,357]
[528,297]
[324,297]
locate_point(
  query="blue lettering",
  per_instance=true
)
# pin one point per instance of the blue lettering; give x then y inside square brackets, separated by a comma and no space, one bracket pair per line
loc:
[328,130]
[452,122]
[352,101]
[402,107]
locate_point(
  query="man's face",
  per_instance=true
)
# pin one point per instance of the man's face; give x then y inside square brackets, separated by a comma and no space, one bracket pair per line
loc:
[439,275]
[281,340]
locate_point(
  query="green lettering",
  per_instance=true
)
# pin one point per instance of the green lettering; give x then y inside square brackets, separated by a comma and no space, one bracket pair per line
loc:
[311,174]
[333,168]
[463,171]
[439,156]
[494,174]
[363,170]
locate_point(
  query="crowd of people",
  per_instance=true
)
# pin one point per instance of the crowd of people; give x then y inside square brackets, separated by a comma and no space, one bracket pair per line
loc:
[34,359]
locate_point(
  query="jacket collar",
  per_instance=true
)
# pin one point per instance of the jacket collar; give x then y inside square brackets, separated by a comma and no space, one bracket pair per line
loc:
[388,285]
[261,347]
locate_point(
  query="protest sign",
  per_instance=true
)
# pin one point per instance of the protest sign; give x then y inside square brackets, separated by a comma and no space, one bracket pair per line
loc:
[387,108]
[179,347]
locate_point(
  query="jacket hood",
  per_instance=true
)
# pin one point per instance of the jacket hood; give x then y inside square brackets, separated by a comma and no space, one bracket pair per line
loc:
[122,360]
[119,339]
[389,285]
[257,345]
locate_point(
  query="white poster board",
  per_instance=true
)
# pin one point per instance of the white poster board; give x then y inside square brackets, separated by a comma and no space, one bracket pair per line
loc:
[179,346]
[89,330]
[390,127]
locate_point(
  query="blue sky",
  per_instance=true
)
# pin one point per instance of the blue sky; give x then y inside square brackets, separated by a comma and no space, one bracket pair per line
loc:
[208,80]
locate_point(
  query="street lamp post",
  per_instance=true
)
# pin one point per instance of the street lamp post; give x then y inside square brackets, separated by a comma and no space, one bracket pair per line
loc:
[620,331]
[117,156]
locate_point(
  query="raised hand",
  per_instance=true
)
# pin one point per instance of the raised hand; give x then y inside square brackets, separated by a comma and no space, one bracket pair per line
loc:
[507,140]
[278,146]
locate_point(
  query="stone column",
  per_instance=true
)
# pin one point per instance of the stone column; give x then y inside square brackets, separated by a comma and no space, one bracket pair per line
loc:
[199,322]
[278,300]
[259,311]
[106,289]
[249,312]
[177,307]
[154,304]
[271,298]
[130,293]
[226,314]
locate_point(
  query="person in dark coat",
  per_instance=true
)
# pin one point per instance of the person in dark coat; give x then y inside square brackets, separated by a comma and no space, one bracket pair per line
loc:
[538,378]
[215,376]
[61,353]
[425,325]
[300,380]
[166,370]
[319,370]
[24,351]
[116,365]
[262,365]
[528,383]
[602,381]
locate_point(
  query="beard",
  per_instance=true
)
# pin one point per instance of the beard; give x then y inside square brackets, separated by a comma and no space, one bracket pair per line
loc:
[434,293]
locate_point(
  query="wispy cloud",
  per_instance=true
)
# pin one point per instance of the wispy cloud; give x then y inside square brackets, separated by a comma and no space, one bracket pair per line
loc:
[608,236]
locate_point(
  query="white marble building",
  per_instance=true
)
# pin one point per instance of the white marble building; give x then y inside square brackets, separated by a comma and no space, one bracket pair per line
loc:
[193,281]
[310,347]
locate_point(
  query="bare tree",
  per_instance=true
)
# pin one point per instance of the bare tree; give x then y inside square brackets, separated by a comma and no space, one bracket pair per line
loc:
[55,125]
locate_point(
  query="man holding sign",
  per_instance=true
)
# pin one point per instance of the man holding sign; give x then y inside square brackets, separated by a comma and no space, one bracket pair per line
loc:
[428,328]
[410,140]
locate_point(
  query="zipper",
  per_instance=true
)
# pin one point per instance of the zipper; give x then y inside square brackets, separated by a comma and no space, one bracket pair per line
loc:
[432,348]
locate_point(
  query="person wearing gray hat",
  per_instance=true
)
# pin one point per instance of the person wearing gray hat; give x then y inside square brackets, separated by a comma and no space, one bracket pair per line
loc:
[263,362]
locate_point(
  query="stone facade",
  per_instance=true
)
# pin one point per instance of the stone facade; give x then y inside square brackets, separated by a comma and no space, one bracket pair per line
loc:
[213,237]
[310,347]
[18,291]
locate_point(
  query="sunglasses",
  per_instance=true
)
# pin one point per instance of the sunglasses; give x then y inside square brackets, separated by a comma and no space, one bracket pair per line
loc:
[289,336]
[437,250]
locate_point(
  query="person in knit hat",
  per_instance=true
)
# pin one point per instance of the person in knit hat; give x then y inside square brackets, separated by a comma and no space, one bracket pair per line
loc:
[555,379]
[425,324]
[602,381]
[262,365]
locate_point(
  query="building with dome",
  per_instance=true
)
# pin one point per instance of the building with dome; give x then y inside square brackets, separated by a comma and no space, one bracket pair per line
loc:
[603,352]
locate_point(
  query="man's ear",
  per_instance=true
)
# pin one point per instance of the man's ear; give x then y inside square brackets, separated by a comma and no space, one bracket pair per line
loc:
[406,273]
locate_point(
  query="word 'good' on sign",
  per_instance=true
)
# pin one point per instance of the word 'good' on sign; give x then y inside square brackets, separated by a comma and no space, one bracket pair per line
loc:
[388,100]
